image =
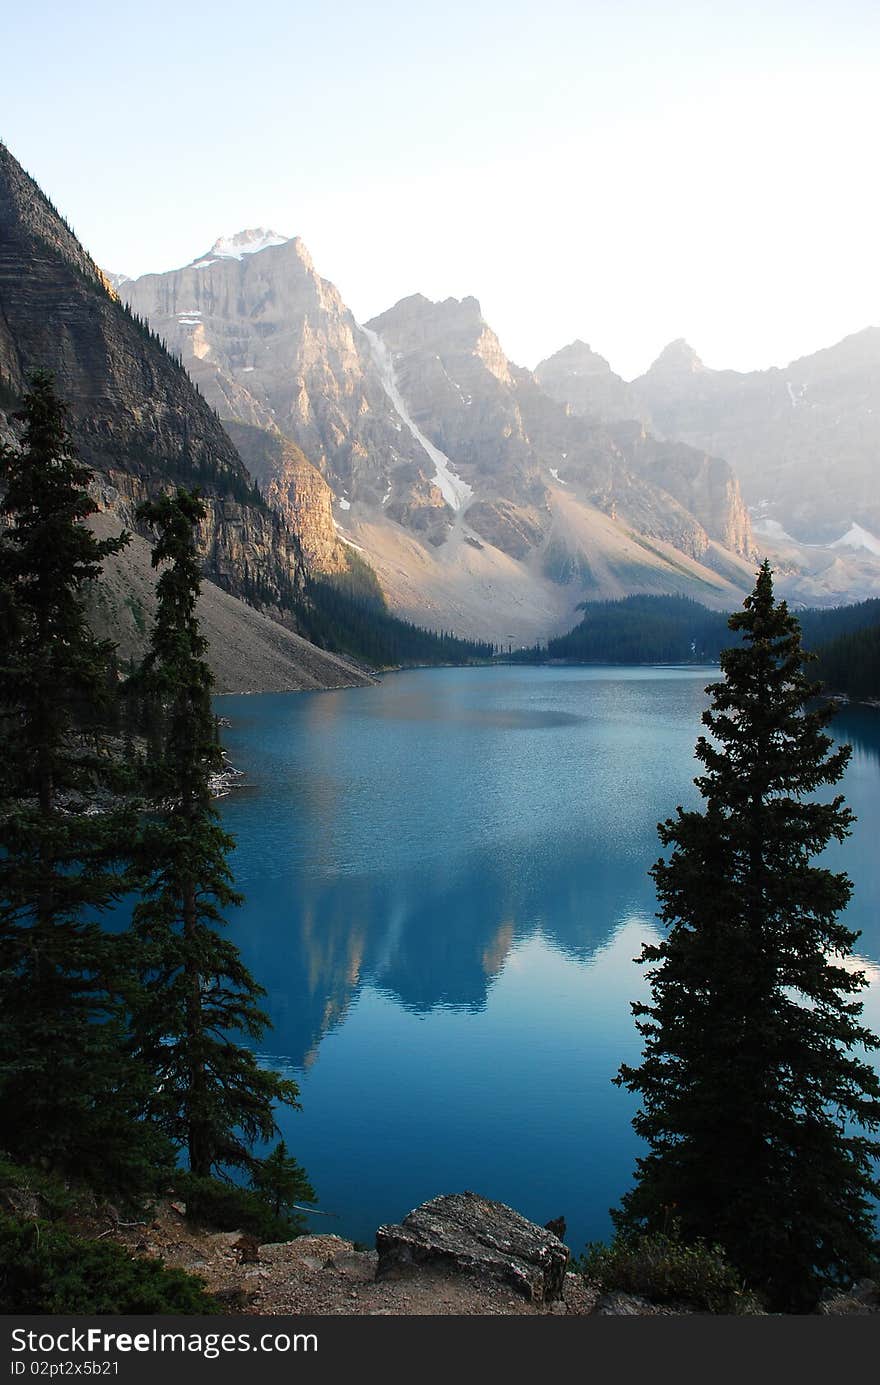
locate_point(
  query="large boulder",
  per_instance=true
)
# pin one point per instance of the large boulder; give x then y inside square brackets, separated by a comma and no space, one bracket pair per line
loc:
[467,1234]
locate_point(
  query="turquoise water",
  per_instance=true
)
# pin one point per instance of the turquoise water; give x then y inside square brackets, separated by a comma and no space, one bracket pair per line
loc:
[446,883]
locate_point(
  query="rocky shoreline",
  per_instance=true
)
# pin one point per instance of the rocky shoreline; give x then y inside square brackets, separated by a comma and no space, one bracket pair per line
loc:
[457,1255]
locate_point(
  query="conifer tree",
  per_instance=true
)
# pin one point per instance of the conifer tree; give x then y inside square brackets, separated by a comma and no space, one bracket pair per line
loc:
[68,1095]
[282,1183]
[212,1097]
[756,1106]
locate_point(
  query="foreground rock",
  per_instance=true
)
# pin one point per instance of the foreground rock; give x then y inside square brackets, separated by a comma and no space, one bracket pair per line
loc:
[620,1305]
[471,1235]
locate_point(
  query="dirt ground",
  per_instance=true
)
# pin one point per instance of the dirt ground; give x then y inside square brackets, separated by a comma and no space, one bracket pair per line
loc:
[326,1275]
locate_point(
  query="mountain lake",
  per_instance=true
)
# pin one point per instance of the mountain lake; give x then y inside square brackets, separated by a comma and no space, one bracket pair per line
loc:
[446,881]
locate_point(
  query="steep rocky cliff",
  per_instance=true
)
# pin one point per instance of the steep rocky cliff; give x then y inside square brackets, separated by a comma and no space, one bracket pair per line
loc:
[704,485]
[134,412]
[296,489]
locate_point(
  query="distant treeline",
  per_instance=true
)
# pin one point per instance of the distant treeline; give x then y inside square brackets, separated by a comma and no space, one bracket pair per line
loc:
[678,630]
[821,627]
[851,663]
[347,614]
[644,630]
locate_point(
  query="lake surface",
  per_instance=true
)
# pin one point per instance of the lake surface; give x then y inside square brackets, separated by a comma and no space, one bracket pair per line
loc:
[446,885]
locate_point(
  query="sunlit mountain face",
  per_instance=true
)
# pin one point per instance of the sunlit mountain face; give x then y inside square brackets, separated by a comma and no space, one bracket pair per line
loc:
[483,504]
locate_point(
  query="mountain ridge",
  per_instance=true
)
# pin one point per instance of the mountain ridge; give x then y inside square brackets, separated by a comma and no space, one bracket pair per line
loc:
[780,427]
[441,509]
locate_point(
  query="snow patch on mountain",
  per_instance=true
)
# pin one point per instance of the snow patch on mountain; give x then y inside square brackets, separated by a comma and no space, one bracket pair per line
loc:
[858,538]
[772,529]
[345,539]
[243,243]
[454,490]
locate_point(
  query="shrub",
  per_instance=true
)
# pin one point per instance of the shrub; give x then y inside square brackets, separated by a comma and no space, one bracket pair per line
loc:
[27,1191]
[664,1269]
[44,1269]
[227,1207]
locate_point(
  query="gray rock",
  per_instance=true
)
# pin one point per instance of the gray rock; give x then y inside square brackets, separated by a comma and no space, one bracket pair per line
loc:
[233,1298]
[617,1304]
[356,1264]
[620,1305]
[468,1234]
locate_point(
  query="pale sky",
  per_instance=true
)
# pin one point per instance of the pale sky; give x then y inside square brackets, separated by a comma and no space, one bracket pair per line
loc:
[622,171]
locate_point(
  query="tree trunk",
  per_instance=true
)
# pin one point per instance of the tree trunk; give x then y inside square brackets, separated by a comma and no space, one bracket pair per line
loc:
[198,1138]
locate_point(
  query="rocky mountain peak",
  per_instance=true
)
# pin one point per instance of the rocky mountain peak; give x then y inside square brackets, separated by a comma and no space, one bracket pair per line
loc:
[578,358]
[678,358]
[271,344]
[449,329]
[579,377]
[249,242]
[463,316]
[426,319]
[469,306]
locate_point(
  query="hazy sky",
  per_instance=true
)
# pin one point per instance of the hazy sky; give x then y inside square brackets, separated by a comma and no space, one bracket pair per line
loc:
[617,170]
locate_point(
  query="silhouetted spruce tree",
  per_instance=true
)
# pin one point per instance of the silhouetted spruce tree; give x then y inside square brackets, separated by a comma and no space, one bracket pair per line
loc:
[212,1097]
[755,1104]
[68,1095]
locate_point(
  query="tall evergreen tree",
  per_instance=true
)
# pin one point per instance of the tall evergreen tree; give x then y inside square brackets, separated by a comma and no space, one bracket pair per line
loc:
[755,1104]
[67,1094]
[212,1097]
